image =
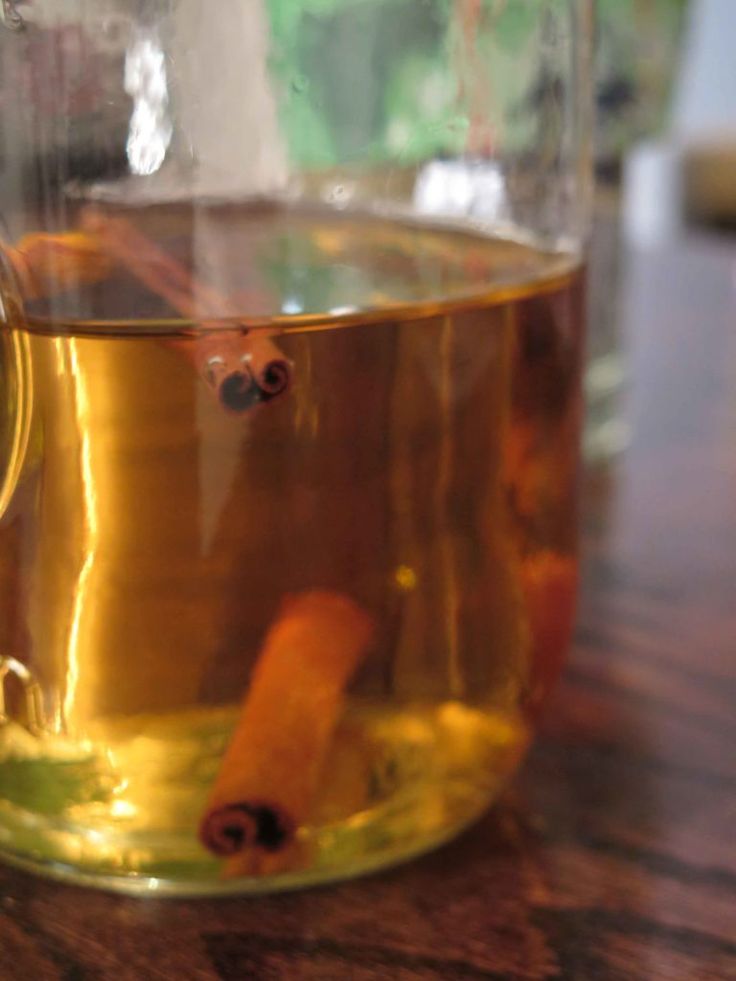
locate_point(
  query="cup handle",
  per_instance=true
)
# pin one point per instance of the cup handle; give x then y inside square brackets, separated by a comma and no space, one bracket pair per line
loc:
[19,386]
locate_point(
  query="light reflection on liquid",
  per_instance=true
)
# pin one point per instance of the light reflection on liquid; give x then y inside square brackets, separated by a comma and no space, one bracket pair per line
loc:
[89,491]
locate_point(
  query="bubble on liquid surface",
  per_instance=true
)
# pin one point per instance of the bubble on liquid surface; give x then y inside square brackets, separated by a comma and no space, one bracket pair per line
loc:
[460,124]
[338,195]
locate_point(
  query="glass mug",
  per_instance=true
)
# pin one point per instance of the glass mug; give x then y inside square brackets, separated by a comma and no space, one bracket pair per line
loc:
[290,364]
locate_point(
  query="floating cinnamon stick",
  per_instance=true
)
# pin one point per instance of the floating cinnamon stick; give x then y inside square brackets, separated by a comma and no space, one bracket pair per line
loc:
[270,772]
[242,367]
[45,264]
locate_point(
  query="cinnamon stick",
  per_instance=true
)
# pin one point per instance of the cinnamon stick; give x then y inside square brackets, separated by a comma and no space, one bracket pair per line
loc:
[243,367]
[270,772]
[45,263]
[152,266]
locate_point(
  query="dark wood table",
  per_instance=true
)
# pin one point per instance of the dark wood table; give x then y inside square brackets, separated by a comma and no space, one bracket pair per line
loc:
[614,855]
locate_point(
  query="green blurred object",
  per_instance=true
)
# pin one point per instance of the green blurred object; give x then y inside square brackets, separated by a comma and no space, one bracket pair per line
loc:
[418,114]
[411,54]
[48,785]
[637,49]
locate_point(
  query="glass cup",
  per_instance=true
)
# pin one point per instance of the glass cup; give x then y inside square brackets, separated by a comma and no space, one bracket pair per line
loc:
[290,363]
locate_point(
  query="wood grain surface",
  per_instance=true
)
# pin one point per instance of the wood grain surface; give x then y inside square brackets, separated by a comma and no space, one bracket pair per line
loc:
[614,854]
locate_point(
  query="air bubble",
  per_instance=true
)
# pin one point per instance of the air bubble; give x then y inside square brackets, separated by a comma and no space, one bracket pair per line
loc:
[405,578]
[299,84]
[338,194]
[459,125]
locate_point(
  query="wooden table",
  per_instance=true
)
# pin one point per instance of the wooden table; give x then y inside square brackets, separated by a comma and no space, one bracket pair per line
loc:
[614,855]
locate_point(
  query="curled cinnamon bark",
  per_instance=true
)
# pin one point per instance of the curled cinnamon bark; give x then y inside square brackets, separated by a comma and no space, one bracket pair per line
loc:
[45,264]
[269,774]
[243,367]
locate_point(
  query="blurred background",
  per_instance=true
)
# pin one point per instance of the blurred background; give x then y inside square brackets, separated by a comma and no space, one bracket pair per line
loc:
[666,117]
[665,161]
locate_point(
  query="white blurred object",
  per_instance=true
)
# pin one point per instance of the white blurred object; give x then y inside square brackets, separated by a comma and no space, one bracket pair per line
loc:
[655,187]
[705,96]
[217,87]
[459,188]
[226,103]
[150,128]
[652,200]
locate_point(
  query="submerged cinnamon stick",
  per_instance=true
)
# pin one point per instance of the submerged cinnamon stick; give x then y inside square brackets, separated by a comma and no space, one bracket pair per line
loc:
[549,583]
[270,772]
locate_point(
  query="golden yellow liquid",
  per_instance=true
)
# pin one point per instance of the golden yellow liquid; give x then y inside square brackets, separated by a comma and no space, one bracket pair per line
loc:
[422,459]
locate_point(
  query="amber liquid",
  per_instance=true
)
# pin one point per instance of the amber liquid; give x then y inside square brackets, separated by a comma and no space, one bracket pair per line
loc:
[422,462]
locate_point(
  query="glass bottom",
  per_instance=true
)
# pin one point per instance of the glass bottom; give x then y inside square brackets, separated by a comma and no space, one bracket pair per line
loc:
[393,853]
[437,771]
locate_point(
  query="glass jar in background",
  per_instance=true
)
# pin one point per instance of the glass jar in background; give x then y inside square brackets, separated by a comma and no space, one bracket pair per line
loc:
[636,55]
[290,387]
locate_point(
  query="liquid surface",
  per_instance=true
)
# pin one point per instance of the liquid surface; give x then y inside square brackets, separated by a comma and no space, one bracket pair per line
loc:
[296,267]
[422,462]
